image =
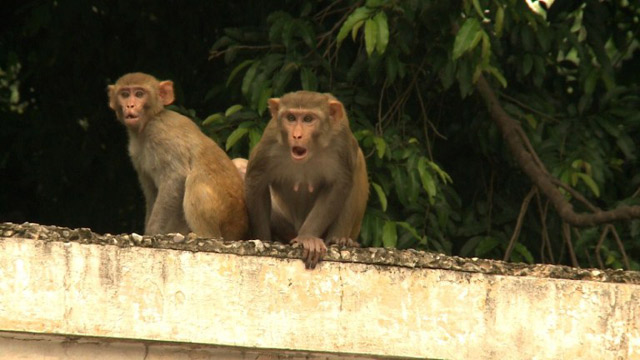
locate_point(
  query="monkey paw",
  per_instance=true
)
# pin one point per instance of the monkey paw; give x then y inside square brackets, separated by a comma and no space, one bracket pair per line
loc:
[342,242]
[313,250]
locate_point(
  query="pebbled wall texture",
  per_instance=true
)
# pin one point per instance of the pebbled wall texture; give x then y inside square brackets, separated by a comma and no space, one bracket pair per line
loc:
[73,294]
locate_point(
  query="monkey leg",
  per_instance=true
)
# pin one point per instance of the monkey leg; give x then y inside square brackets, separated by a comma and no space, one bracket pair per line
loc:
[201,206]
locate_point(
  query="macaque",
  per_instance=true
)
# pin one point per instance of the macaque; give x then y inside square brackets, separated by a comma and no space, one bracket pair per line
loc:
[189,182]
[306,180]
[241,165]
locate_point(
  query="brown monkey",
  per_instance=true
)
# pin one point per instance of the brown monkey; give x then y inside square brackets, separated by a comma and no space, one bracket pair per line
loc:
[307,179]
[188,182]
[241,165]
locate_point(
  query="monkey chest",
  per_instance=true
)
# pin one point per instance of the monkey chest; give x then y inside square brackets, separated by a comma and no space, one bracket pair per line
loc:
[296,198]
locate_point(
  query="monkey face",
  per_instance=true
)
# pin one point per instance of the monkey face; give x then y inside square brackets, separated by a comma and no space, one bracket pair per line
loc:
[300,127]
[132,102]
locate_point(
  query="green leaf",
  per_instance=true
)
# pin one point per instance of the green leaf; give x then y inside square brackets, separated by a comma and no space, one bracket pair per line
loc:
[247,82]
[307,34]
[237,69]
[354,30]
[486,49]
[358,15]
[476,5]
[236,135]
[254,137]
[498,75]
[389,234]
[212,118]
[381,146]
[370,35]
[232,110]
[381,195]
[264,98]
[467,38]
[425,177]
[524,252]
[308,79]
[383,32]
[527,64]
[588,180]
[499,21]
[375,3]
[486,245]
[410,229]
[441,173]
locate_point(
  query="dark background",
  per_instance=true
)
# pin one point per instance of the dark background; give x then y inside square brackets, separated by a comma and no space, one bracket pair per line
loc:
[64,160]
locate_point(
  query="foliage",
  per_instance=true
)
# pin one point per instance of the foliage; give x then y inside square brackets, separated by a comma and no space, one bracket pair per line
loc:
[441,178]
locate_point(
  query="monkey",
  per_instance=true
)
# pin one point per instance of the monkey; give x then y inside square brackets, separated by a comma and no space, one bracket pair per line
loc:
[241,165]
[306,180]
[189,183]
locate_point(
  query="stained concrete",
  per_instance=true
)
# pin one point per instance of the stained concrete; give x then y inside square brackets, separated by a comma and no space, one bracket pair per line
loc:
[148,297]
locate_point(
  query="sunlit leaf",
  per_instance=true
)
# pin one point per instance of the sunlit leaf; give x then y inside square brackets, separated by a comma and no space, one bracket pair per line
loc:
[213,118]
[467,38]
[499,21]
[383,32]
[588,180]
[425,177]
[359,14]
[370,35]
[236,135]
[232,110]
[498,75]
[389,234]
[381,146]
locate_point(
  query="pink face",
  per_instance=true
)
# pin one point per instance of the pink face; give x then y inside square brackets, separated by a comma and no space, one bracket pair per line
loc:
[132,100]
[300,124]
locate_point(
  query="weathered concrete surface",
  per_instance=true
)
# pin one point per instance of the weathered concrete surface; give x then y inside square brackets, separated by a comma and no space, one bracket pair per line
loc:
[239,303]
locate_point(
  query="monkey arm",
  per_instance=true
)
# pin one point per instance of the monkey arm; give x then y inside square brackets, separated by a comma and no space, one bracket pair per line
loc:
[167,211]
[150,193]
[328,206]
[258,198]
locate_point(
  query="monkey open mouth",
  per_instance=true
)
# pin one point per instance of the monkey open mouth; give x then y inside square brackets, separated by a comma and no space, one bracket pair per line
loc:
[131,118]
[298,152]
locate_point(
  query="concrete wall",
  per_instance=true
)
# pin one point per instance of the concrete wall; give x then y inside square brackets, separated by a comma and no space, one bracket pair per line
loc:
[74,300]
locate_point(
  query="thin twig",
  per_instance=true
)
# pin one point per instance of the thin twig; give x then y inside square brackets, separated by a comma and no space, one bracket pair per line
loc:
[566,234]
[516,231]
[546,242]
[216,53]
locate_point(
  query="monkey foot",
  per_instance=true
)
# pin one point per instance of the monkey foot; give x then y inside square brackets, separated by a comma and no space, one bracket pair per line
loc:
[342,242]
[313,250]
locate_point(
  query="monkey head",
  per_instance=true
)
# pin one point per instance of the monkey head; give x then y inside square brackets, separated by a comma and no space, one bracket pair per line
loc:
[138,97]
[307,121]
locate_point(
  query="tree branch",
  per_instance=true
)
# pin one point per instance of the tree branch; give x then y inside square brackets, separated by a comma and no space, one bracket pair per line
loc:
[541,178]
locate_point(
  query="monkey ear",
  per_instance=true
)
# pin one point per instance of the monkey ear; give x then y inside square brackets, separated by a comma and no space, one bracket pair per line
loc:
[336,111]
[274,106]
[111,91]
[166,92]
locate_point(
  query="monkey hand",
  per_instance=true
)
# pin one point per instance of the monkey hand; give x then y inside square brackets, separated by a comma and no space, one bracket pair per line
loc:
[313,250]
[342,241]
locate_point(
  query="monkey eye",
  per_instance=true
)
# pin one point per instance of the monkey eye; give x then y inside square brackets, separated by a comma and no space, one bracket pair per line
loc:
[139,94]
[291,117]
[124,94]
[308,119]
